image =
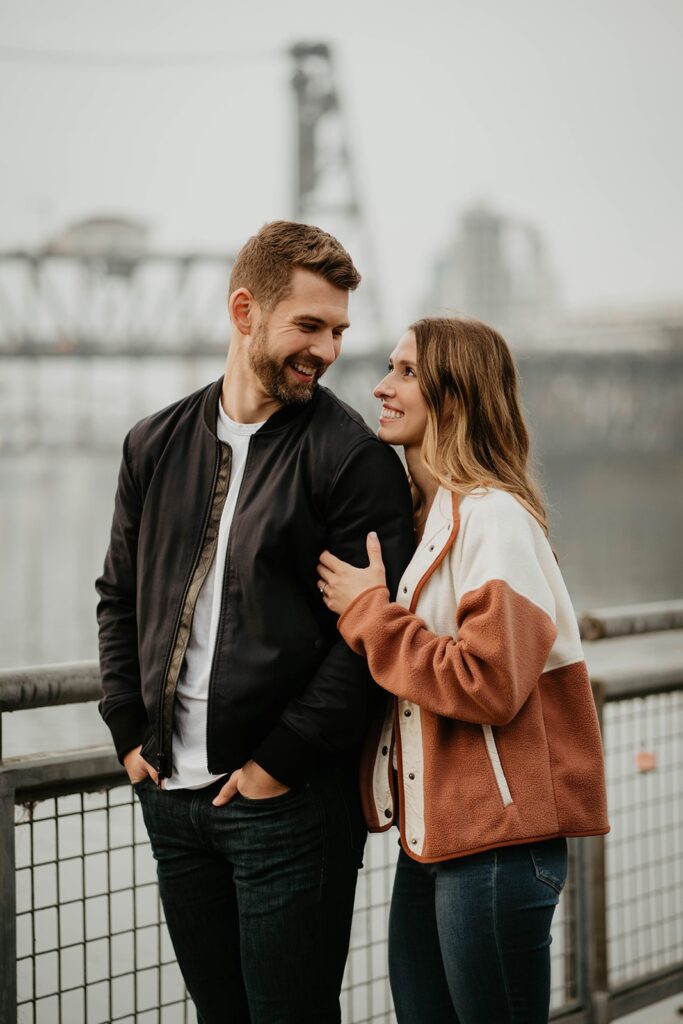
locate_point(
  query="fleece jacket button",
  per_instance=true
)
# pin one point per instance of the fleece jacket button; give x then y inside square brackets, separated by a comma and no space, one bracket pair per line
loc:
[405,590]
[385,750]
[411,775]
[407,713]
[387,813]
[414,842]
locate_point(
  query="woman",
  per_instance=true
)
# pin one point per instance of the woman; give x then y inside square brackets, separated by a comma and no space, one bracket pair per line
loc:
[492,731]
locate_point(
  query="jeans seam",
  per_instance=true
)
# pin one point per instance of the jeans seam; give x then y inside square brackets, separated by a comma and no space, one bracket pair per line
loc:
[320,814]
[496,936]
[347,815]
[545,876]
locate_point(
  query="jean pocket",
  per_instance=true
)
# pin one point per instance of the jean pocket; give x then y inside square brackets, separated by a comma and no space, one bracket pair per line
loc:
[550,862]
[270,801]
[142,784]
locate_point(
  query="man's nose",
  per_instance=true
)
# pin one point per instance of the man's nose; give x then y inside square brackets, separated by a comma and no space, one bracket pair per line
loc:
[326,348]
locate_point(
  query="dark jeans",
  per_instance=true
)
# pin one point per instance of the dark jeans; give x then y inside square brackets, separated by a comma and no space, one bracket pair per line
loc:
[258,898]
[469,938]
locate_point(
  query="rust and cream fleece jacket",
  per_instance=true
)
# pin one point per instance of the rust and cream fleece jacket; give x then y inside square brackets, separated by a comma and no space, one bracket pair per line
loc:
[493,719]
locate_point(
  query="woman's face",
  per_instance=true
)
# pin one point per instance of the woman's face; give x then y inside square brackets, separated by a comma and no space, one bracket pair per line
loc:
[403,417]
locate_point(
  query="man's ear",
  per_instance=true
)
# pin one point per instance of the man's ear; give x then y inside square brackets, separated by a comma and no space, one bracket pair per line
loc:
[243,309]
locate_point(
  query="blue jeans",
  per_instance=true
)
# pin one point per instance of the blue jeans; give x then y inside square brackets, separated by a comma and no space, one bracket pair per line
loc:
[258,897]
[469,938]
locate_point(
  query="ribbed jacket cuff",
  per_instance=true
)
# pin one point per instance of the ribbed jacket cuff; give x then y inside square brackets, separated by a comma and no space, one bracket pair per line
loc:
[286,756]
[129,727]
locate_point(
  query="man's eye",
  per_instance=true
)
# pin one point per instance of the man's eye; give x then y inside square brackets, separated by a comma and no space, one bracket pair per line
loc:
[307,327]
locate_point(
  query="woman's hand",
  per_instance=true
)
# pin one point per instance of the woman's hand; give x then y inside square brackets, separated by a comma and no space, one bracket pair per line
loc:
[339,583]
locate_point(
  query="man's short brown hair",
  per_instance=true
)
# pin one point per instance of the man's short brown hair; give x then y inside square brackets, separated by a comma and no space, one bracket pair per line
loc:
[266,262]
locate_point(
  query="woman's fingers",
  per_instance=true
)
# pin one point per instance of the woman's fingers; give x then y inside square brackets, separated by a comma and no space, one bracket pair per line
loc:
[325,574]
[329,560]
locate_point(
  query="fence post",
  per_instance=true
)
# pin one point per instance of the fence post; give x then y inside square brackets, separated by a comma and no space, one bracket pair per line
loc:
[596,898]
[8,916]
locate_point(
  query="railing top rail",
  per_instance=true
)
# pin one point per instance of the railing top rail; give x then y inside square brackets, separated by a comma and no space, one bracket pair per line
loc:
[622,667]
[40,686]
[635,666]
[629,619]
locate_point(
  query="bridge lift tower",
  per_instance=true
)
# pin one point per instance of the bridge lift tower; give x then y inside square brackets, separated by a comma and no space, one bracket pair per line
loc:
[326,190]
[89,294]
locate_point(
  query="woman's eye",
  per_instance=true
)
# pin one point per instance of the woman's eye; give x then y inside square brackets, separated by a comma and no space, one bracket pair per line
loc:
[410,371]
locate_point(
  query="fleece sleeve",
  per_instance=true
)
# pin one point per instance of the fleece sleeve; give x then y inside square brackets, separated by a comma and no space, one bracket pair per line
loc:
[504,626]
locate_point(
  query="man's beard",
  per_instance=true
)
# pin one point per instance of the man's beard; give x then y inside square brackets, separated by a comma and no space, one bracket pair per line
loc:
[272,374]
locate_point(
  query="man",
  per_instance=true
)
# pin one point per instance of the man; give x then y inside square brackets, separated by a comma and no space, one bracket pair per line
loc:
[234,705]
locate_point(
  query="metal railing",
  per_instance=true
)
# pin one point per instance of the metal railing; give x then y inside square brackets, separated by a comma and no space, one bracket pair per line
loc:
[82,936]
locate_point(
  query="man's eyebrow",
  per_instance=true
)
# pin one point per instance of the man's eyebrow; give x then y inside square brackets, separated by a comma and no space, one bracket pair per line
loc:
[319,320]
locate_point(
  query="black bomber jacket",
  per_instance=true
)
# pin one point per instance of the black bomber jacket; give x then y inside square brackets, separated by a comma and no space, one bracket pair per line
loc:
[284,688]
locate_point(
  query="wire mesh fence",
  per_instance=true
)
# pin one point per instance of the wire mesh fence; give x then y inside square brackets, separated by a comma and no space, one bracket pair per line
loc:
[92,946]
[644,851]
[78,882]
[91,943]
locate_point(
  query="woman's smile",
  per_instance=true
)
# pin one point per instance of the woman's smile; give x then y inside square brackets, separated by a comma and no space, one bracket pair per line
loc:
[400,384]
[389,412]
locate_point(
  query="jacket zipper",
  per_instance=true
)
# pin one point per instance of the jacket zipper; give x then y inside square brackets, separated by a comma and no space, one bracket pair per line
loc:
[221,615]
[162,696]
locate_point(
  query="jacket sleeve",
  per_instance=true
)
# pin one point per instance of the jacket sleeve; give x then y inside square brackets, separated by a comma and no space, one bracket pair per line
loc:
[505,619]
[121,706]
[331,714]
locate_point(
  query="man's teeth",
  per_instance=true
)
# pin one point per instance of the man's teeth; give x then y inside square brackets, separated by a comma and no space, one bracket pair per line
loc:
[307,371]
[390,414]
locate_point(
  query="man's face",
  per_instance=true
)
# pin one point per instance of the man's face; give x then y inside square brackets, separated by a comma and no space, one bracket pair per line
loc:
[294,345]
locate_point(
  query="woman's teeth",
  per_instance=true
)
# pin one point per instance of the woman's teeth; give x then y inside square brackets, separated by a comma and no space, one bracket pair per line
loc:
[390,414]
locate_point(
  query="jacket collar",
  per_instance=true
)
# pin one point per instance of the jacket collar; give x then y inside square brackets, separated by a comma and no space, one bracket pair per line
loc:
[276,422]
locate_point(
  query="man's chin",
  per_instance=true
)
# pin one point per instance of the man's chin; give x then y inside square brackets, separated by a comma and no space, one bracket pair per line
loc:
[280,382]
[296,394]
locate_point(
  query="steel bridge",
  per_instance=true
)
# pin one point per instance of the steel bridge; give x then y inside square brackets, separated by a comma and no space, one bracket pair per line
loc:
[87,292]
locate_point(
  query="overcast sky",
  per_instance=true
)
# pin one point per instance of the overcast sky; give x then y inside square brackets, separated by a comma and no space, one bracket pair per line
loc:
[567,115]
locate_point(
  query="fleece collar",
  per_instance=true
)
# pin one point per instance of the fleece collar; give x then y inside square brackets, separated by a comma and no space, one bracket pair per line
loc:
[439,536]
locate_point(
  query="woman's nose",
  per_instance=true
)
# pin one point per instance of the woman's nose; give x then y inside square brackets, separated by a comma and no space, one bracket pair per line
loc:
[383,389]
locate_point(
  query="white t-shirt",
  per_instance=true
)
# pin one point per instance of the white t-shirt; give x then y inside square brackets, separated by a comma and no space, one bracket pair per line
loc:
[189,722]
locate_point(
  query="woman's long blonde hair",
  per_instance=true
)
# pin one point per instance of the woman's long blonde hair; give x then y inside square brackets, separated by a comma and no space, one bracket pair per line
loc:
[476,435]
